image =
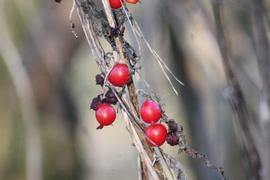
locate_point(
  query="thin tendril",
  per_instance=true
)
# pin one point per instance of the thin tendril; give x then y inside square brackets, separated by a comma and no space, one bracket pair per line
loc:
[132,28]
[70,19]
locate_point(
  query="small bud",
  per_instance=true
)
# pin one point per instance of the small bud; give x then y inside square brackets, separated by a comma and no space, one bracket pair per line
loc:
[100,79]
[172,139]
[95,103]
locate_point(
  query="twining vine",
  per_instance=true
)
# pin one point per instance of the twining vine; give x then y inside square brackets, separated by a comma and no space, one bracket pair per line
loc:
[147,123]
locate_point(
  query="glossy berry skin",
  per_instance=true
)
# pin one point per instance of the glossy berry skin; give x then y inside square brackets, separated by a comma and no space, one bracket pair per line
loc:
[116,4]
[119,75]
[150,111]
[157,133]
[105,114]
[132,1]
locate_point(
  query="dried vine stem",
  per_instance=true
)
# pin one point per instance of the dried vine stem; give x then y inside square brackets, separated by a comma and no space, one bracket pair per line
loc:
[101,26]
[154,163]
[160,166]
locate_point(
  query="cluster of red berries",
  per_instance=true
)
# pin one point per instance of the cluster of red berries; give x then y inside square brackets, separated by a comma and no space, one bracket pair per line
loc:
[156,132]
[105,114]
[150,111]
[116,4]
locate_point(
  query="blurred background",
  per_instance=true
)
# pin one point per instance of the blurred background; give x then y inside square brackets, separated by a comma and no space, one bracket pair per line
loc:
[219,49]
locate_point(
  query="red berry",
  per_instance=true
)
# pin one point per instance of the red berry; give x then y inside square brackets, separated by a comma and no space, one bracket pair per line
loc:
[119,75]
[157,134]
[105,114]
[132,1]
[116,4]
[150,111]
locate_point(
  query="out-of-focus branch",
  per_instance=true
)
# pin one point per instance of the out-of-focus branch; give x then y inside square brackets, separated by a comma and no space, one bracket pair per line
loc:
[24,90]
[261,44]
[237,98]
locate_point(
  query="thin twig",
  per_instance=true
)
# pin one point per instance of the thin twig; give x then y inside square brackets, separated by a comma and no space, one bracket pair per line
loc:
[131,88]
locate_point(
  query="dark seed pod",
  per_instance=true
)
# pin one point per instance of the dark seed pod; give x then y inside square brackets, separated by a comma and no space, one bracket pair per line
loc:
[172,125]
[172,139]
[110,94]
[110,97]
[100,79]
[112,100]
[95,103]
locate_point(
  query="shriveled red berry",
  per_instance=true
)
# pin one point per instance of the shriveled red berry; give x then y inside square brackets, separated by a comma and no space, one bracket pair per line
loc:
[119,75]
[132,1]
[150,111]
[116,4]
[105,114]
[156,133]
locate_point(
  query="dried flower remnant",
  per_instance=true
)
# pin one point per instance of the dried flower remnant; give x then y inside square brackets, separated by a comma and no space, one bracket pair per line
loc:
[172,139]
[110,97]
[100,79]
[95,103]
[177,131]
[172,125]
